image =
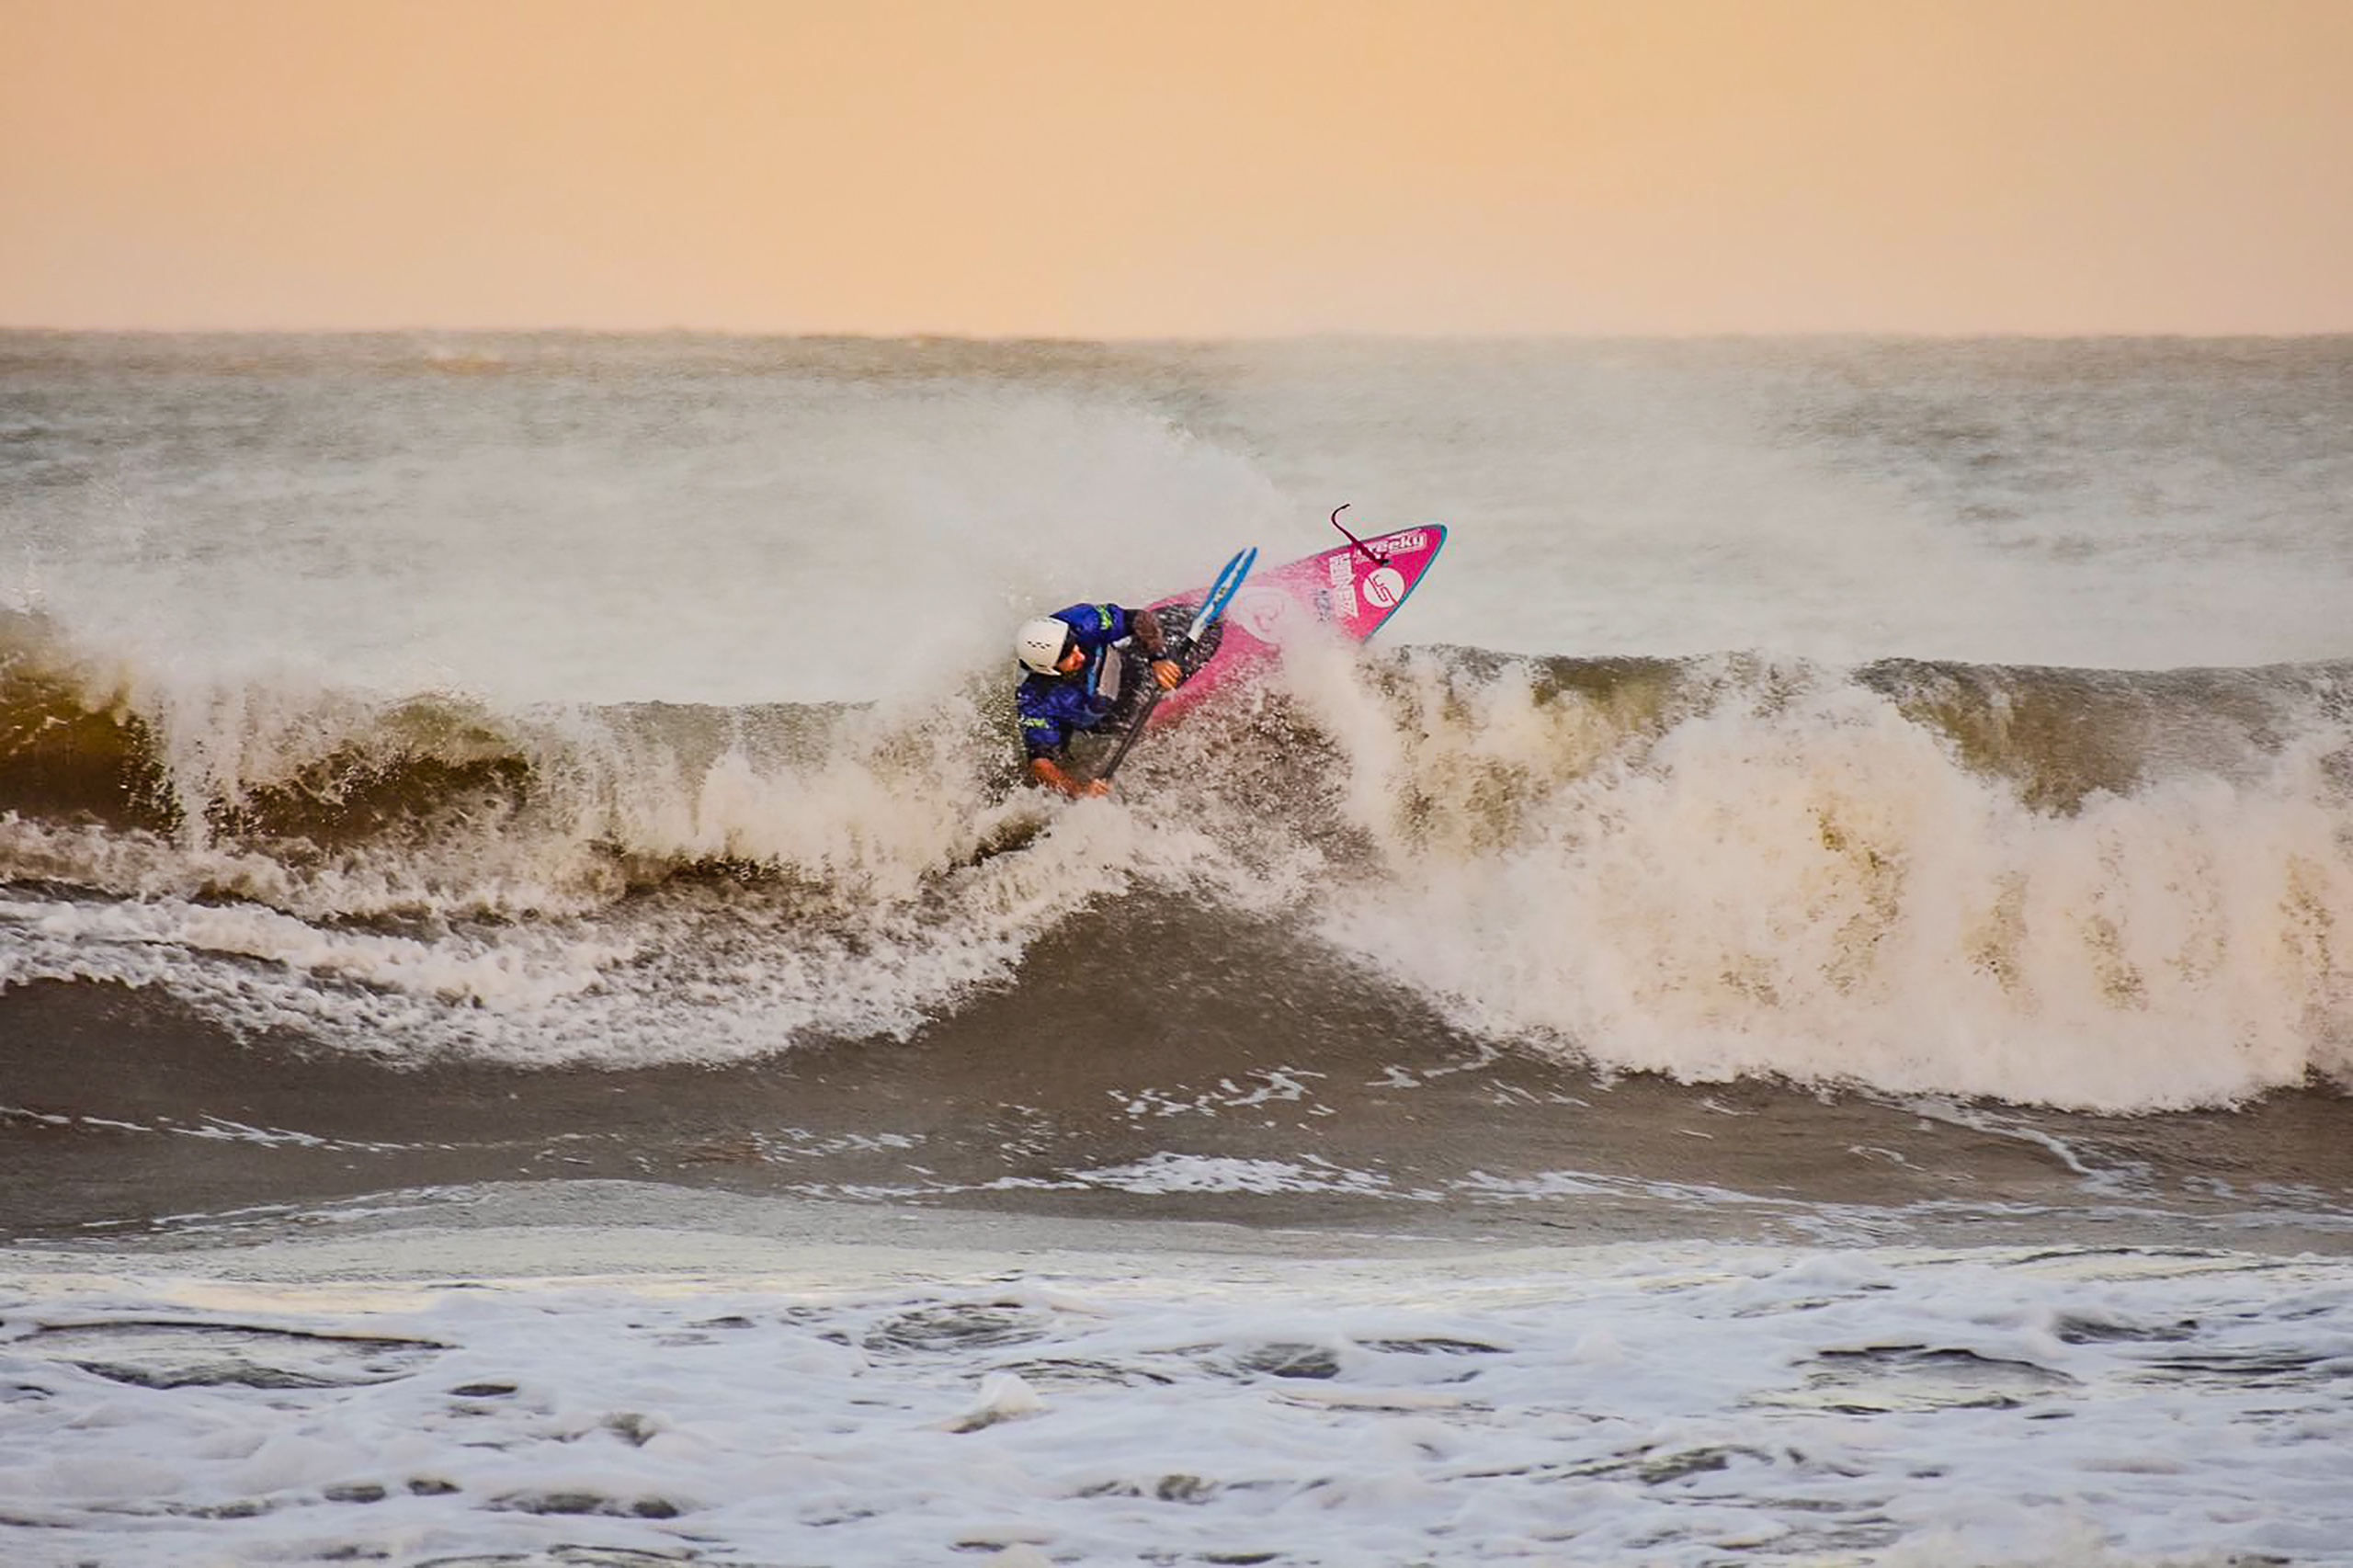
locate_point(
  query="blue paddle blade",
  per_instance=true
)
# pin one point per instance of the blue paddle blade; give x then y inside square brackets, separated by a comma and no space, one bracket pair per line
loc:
[1221,591]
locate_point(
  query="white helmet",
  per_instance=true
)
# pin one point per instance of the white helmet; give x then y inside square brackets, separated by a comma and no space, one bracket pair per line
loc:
[1041,643]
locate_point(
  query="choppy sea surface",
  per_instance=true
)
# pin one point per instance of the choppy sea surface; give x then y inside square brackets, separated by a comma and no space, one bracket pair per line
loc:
[1796,1007]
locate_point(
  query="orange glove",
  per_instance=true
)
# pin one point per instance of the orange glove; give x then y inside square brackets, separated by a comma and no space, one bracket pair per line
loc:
[1168,673]
[1048,772]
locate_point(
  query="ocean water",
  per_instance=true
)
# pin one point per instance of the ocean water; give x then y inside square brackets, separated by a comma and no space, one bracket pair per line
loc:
[1796,1007]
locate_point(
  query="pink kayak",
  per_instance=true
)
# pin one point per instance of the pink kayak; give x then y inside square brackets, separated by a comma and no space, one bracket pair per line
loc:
[1352,590]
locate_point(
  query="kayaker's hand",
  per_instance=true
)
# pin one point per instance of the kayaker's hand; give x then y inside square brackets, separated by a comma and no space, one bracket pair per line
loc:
[1046,771]
[1168,674]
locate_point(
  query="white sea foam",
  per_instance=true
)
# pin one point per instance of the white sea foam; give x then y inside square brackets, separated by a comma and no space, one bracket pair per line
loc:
[661,982]
[1811,884]
[1169,1171]
[876,1404]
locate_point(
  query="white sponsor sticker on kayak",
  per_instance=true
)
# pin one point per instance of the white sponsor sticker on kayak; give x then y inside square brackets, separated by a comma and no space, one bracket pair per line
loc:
[1344,583]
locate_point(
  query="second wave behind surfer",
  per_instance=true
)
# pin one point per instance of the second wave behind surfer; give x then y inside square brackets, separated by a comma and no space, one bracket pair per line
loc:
[1061,695]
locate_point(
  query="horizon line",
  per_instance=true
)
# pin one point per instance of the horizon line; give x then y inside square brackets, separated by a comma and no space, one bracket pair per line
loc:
[1342,335]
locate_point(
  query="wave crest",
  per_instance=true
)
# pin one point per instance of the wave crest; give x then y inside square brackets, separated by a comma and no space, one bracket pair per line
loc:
[2097,888]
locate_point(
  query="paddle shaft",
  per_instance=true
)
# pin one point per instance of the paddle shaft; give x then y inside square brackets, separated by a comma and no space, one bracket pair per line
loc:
[1177,650]
[1213,607]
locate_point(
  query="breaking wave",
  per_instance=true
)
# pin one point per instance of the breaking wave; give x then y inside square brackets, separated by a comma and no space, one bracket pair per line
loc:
[2098,889]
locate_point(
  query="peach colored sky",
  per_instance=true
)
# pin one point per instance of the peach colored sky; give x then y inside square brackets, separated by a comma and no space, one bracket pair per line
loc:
[1140,168]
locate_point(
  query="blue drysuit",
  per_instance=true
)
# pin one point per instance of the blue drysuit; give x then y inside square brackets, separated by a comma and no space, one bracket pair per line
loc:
[1054,708]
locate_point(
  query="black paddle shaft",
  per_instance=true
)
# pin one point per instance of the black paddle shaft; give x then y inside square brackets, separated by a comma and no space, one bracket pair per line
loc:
[1176,650]
[1180,646]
